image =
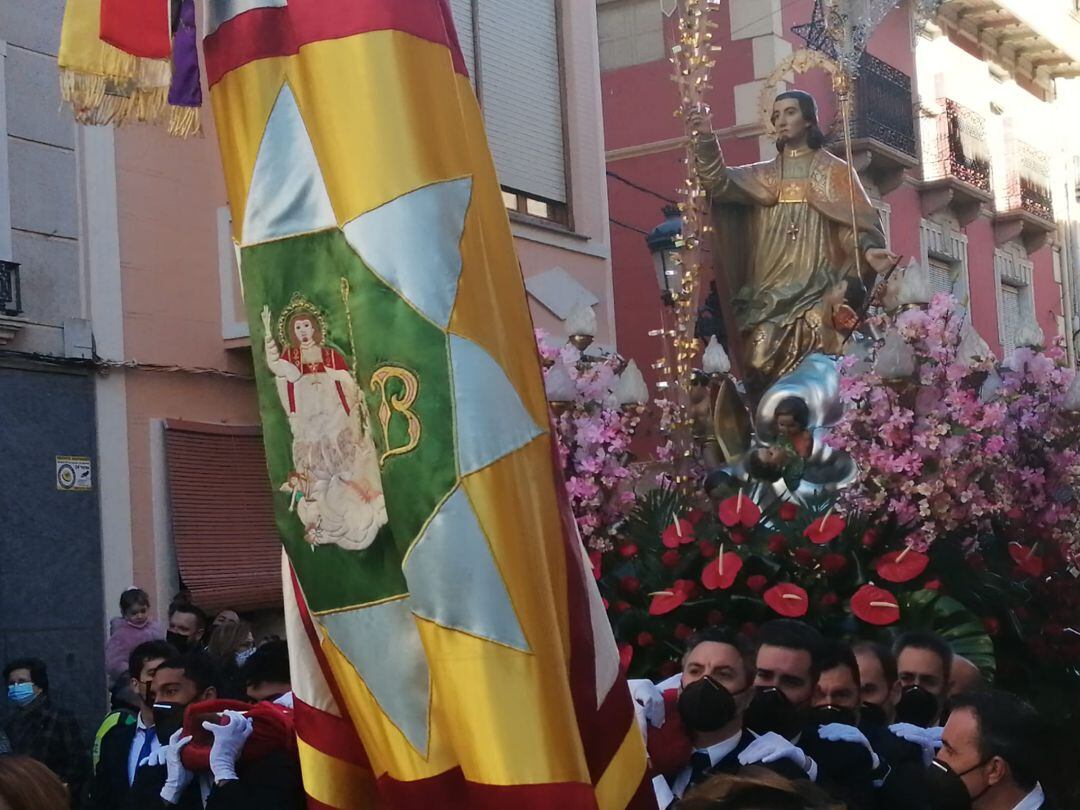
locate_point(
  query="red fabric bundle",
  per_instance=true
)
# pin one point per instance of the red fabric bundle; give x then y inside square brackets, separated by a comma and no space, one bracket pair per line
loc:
[272,730]
[139,27]
[670,747]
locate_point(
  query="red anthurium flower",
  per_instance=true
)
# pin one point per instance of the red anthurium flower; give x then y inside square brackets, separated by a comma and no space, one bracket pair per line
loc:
[721,573]
[756,583]
[870,538]
[777,544]
[714,617]
[834,564]
[678,533]
[630,585]
[626,655]
[1026,559]
[787,511]
[830,600]
[738,537]
[670,558]
[875,605]
[788,600]
[682,631]
[666,601]
[694,515]
[824,529]
[628,551]
[901,566]
[803,556]
[739,510]
[933,585]
[992,625]
[645,639]
[707,549]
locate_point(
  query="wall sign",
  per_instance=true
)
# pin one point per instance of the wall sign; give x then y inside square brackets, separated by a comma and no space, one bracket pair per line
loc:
[74,474]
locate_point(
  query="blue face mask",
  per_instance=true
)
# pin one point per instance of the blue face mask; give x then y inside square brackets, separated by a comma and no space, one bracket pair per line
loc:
[20,693]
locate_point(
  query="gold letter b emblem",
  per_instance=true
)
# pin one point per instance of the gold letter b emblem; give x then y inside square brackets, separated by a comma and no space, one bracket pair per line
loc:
[400,403]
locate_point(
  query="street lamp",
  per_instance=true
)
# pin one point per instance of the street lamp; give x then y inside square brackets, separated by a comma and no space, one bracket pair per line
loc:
[664,244]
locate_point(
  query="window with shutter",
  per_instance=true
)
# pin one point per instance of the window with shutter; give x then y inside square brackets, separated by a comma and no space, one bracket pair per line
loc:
[941,277]
[222,507]
[520,89]
[631,32]
[1010,316]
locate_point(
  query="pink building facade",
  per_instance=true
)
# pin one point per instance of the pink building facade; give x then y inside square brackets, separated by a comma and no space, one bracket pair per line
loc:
[959,140]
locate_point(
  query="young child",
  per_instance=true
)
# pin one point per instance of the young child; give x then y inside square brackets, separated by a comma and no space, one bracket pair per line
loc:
[130,629]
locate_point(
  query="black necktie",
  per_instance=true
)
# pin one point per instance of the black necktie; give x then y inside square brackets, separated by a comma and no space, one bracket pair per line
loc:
[700,762]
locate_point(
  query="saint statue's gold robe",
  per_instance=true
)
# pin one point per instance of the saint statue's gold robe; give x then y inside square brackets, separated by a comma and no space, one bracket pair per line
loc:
[784,252]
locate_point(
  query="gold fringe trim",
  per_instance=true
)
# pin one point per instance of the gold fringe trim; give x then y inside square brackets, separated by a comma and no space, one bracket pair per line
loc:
[184,122]
[117,64]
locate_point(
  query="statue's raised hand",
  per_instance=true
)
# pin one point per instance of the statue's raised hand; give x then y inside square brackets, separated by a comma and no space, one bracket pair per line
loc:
[266,319]
[700,121]
[881,260]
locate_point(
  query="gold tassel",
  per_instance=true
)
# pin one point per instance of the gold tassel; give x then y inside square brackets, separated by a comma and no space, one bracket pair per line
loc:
[184,122]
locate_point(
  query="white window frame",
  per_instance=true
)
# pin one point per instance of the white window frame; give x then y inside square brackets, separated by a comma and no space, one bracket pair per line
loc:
[941,239]
[1014,269]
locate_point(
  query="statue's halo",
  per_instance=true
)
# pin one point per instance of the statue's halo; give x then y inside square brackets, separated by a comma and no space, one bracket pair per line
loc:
[799,61]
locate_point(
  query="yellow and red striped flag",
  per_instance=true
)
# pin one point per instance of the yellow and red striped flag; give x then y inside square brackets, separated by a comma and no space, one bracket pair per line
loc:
[457,652]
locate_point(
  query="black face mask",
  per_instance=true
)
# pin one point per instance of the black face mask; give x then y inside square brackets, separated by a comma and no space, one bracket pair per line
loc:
[917,706]
[946,789]
[823,715]
[873,714]
[182,643]
[770,710]
[168,719]
[706,705]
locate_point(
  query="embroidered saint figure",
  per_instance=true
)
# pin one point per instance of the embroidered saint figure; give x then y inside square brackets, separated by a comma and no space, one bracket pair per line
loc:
[335,487]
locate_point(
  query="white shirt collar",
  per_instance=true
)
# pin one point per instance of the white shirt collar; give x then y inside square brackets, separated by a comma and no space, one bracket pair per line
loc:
[139,724]
[1034,800]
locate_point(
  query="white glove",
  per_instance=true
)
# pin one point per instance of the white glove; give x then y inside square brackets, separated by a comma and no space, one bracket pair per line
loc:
[772,747]
[178,777]
[156,758]
[649,699]
[929,739]
[229,741]
[840,732]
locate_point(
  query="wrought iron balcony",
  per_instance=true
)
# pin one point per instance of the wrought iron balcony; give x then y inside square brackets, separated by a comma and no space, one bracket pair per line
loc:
[1036,200]
[964,129]
[883,107]
[10,290]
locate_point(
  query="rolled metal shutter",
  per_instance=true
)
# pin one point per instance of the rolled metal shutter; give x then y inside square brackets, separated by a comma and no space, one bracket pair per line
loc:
[222,510]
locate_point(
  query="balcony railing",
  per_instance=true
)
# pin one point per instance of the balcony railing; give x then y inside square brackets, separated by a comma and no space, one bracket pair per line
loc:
[883,108]
[1029,181]
[10,290]
[1036,200]
[963,146]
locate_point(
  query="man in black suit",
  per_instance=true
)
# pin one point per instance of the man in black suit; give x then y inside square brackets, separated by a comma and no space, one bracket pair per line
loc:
[990,755]
[272,782]
[900,770]
[790,661]
[125,745]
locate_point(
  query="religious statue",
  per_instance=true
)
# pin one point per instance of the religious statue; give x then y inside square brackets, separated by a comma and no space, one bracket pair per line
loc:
[335,487]
[793,260]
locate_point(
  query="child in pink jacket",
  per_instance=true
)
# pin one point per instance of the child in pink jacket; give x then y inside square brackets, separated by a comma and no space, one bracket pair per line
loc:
[128,630]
